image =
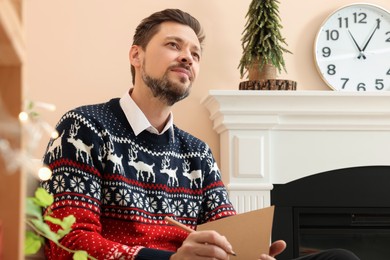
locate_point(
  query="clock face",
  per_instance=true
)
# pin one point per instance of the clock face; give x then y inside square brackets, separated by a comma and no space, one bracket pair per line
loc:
[352,49]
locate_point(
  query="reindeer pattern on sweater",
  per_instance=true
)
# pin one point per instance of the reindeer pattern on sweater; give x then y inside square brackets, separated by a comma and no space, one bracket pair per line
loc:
[121,186]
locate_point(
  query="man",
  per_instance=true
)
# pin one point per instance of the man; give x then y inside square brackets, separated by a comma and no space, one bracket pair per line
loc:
[120,167]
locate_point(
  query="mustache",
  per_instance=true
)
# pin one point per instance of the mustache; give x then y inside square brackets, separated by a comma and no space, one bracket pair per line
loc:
[180,65]
[183,66]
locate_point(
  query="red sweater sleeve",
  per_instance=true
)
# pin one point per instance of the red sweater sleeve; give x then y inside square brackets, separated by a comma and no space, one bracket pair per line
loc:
[85,235]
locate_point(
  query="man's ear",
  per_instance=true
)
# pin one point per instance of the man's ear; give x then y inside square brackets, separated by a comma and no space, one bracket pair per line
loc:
[134,55]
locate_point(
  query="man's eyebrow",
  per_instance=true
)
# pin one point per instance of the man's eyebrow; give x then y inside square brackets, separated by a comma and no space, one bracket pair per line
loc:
[180,40]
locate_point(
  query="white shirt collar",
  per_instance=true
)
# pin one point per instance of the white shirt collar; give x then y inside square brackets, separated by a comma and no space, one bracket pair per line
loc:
[137,118]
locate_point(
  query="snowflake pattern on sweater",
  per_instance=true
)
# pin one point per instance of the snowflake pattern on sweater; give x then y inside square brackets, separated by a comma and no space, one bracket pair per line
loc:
[120,186]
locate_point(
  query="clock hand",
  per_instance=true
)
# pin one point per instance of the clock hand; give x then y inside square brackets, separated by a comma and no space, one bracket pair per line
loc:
[372,34]
[361,54]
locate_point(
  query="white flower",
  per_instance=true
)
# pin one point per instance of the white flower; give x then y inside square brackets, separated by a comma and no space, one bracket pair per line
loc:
[138,201]
[46,185]
[77,184]
[193,209]
[95,189]
[150,204]
[213,201]
[177,207]
[106,196]
[166,205]
[122,197]
[59,183]
[225,196]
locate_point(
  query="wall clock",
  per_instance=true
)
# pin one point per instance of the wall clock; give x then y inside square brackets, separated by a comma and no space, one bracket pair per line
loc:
[352,48]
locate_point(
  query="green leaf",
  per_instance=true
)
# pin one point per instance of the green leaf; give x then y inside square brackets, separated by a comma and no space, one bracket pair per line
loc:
[53,220]
[80,255]
[45,229]
[30,105]
[63,232]
[32,209]
[32,243]
[43,198]
[68,221]
[65,223]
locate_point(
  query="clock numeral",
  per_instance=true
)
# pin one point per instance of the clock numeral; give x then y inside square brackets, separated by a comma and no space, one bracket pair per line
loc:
[361,87]
[388,39]
[326,51]
[341,20]
[378,23]
[332,35]
[331,69]
[388,72]
[359,17]
[345,82]
[379,84]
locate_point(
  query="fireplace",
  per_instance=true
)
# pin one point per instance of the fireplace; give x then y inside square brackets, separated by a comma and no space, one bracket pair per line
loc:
[346,208]
[275,141]
[275,137]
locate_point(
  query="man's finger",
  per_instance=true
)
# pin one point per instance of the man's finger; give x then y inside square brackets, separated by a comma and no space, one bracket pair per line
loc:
[277,247]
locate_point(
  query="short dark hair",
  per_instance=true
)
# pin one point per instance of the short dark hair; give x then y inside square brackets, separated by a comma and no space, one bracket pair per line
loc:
[150,26]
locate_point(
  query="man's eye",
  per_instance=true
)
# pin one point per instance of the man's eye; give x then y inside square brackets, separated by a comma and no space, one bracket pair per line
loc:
[173,44]
[196,55]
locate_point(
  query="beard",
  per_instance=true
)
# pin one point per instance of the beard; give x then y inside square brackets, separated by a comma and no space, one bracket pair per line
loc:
[167,91]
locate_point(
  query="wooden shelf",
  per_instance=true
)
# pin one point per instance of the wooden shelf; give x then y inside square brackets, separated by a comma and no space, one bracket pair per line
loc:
[12,50]
[12,186]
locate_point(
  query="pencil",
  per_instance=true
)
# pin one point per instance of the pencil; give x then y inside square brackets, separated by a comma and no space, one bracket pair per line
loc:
[185,228]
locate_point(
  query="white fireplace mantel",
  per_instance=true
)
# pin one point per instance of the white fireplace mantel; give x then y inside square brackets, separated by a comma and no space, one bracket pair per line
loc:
[269,137]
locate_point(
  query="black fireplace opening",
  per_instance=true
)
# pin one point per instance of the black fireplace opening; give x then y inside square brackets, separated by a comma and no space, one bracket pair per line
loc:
[364,231]
[345,208]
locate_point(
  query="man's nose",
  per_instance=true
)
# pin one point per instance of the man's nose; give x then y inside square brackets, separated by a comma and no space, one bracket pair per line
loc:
[185,57]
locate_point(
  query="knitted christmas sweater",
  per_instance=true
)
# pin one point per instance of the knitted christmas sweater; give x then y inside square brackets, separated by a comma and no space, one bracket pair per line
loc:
[120,186]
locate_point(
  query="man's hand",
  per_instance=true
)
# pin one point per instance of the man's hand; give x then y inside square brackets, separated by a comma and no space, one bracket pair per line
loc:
[275,249]
[202,245]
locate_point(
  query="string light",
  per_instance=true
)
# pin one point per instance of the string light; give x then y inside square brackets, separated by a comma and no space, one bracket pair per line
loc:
[31,128]
[44,173]
[52,132]
[23,116]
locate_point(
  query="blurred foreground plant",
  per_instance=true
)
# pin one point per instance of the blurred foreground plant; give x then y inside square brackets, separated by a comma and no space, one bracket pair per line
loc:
[35,238]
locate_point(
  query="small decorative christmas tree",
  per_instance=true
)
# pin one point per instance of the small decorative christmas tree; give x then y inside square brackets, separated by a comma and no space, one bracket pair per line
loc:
[262,42]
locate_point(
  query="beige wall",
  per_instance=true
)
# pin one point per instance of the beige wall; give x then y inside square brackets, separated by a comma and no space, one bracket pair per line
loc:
[77,50]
